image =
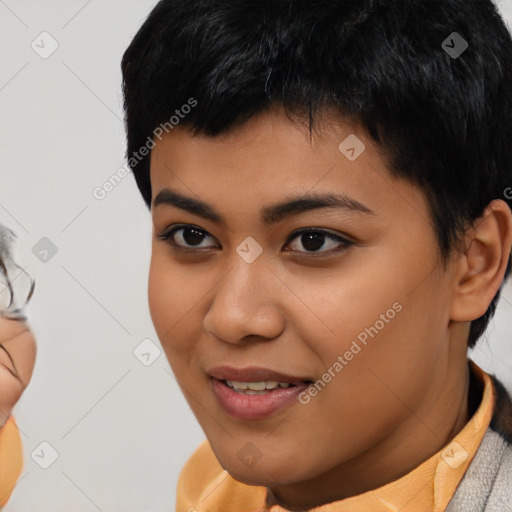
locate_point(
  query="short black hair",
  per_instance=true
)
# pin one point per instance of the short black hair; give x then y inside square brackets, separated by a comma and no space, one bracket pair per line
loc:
[440,112]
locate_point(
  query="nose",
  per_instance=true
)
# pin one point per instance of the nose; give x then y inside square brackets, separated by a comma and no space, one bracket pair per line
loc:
[245,304]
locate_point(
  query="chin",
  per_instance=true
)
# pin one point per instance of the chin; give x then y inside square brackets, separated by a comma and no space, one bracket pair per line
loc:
[257,478]
[262,473]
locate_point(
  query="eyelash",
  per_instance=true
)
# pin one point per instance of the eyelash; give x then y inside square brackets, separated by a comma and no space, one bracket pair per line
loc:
[167,236]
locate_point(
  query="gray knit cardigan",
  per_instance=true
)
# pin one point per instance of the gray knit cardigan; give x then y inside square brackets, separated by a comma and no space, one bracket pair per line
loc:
[487,483]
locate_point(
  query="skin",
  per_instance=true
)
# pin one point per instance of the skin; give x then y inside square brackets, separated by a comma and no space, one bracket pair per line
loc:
[15,371]
[404,396]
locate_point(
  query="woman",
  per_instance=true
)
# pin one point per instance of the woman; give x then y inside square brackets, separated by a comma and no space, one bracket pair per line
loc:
[17,358]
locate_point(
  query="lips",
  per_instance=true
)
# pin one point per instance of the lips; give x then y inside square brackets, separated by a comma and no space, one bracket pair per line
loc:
[254,374]
[248,405]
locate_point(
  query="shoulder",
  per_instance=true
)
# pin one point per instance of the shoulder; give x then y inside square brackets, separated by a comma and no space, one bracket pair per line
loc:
[487,483]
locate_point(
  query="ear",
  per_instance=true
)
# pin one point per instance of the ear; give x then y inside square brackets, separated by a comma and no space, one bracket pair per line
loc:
[479,271]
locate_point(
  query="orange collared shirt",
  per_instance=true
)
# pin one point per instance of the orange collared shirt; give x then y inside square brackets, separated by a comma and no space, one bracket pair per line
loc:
[11,459]
[203,484]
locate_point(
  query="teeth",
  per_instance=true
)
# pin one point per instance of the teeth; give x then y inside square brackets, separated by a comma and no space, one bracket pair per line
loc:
[238,385]
[256,386]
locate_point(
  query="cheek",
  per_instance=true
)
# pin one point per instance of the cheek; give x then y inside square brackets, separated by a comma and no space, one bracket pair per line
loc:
[354,303]
[389,345]
[374,335]
[173,298]
[165,289]
[156,297]
[381,297]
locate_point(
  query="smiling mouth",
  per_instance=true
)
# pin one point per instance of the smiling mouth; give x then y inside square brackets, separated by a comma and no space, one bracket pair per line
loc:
[259,388]
[240,402]
[255,377]
[253,393]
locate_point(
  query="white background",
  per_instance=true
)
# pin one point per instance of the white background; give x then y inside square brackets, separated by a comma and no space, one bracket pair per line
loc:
[122,430]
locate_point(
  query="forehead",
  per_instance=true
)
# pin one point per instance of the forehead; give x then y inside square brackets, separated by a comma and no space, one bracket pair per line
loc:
[271,158]
[267,138]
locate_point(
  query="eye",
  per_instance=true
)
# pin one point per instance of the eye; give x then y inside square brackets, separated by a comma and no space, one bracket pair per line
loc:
[313,240]
[187,234]
[189,237]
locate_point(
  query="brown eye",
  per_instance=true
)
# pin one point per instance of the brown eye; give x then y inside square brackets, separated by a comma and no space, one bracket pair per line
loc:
[188,237]
[314,239]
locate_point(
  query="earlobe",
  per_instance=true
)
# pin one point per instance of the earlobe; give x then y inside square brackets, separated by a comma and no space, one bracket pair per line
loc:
[480,270]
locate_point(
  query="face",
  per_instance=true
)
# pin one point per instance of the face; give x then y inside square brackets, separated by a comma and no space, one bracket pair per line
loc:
[351,296]
[17,358]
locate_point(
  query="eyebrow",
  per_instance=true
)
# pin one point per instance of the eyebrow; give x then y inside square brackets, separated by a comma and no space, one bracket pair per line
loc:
[270,214]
